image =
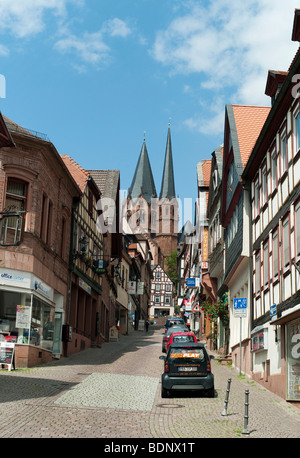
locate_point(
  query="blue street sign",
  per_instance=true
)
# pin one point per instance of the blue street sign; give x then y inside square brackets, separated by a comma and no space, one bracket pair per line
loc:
[273,310]
[240,307]
[191,282]
[240,303]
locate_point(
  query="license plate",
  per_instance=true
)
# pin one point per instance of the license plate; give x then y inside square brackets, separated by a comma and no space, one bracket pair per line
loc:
[187,369]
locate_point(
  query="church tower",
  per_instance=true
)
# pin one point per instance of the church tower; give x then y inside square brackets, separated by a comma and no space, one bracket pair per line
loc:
[168,205]
[156,218]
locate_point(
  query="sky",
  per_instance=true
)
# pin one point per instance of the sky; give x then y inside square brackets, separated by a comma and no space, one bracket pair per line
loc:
[99,76]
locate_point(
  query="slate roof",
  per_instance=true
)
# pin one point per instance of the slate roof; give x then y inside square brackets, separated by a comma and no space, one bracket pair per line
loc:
[143,182]
[168,183]
[107,182]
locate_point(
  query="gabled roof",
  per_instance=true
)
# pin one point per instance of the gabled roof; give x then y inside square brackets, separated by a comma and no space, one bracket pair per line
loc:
[80,175]
[5,137]
[245,124]
[203,172]
[143,182]
[168,183]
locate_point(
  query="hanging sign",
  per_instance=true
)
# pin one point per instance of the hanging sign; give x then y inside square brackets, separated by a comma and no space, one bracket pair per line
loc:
[131,287]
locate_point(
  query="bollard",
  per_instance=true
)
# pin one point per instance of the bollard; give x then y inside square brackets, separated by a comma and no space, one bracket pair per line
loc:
[226,398]
[246,412]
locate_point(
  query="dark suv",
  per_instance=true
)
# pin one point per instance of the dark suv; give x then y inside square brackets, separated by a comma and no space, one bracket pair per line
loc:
[187,367]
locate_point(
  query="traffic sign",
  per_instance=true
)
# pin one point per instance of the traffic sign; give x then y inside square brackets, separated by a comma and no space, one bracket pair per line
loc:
[240,307]
[273,310]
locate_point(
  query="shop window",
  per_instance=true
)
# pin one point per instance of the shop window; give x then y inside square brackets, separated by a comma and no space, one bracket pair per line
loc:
[259,340]
[26,320]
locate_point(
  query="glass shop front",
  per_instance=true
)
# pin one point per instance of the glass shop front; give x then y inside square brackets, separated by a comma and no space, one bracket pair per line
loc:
[27,311]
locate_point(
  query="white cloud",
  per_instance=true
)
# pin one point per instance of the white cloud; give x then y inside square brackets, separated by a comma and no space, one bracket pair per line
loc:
[24,18]
[231,45]
[27,18]
[117,28]
[90,47]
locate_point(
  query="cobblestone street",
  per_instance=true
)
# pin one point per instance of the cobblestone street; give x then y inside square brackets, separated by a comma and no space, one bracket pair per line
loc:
[114,392]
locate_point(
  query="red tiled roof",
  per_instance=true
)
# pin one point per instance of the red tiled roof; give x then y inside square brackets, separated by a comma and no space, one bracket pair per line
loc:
[206,169]
[78,173]
[249,121]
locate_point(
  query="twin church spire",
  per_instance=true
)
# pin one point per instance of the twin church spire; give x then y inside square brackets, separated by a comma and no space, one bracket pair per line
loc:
[143,182]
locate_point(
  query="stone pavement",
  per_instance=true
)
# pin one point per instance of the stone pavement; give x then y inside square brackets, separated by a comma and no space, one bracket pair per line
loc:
[114,392]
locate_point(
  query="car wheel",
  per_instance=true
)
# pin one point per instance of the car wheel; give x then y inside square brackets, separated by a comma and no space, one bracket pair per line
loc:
[211,392]
[164,393]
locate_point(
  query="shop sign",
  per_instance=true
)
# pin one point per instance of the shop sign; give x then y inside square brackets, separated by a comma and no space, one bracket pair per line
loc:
[140,287]
[15,278]
[293,361]
[204,245]
[85,286]
[7,353]
[131,287]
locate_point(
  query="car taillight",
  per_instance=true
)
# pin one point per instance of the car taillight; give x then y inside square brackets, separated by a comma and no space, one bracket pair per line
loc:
[166,366]
[208,367]
[167,337]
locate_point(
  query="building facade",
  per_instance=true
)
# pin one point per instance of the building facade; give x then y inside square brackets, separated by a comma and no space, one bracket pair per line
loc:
[36,197]
[273,172]
[161,302]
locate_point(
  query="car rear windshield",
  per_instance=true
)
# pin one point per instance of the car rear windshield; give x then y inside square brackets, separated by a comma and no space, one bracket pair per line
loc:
[196,354]
[172,322]
[179,339]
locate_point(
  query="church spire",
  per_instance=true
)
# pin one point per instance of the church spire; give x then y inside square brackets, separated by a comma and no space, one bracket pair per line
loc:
[143,182]
[168,184]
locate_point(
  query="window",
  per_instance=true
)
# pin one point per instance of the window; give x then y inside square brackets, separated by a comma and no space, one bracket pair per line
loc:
[275,257]
[157,287]
[257,274]
[168,287]
[167,300]
[296,131]
[274,176]
[286,243]
[283,152]
[297,230]
[266,265]
[16,192]
[256,198]
[157,275]
[46,218]
[157,299]
[264,186]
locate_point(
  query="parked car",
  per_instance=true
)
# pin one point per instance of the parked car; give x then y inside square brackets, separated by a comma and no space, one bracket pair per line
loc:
[181,337]
[166,336]
[187,367]
[173,321]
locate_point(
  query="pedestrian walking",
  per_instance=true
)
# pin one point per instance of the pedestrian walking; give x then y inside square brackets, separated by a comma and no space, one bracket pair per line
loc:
[147,325]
